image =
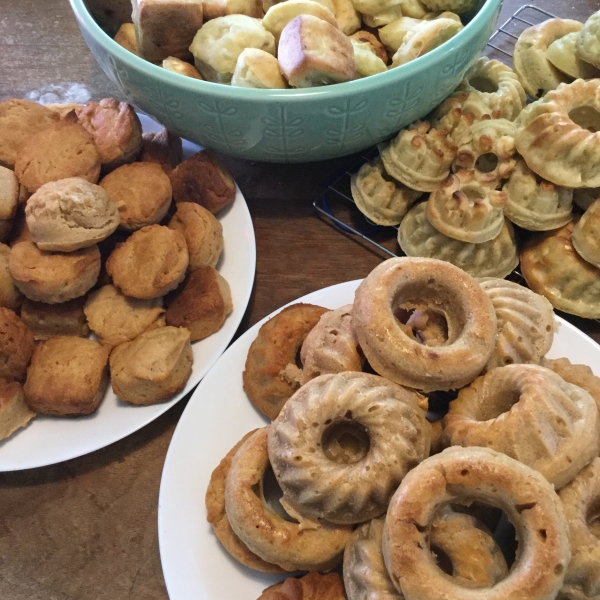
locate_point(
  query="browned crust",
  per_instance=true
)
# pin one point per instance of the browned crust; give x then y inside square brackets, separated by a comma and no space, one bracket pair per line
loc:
[313,586]
[16,345]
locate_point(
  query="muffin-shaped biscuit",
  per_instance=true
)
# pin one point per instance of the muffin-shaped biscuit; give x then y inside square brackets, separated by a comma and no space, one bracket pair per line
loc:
[9,200]
[203,179]
[70,214]
[150,263]
[10,297]
[125,37]
[63,150]
[67,377]
[177,65]
[20,120]
[201,304]
[153,367]
[586,235]
[280,14]
[202,231]
[14,411]
[366,59]
[162,147]
[258,69]
[116,130]
[52,320]
[16,345]
[116,318]
[53,277]
[142,193]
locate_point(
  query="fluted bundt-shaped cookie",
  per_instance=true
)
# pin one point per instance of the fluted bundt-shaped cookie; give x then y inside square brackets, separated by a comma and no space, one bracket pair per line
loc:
[580,375]
[488,148]
[532,415]
[588,42]
[535,72]
[525,323]
[380,198]
[553,268]
[586,235]
[465,210]
[312,586]
[534,203]
[342,443]
[559,135]
[496,258]
[419,157]
[562,53]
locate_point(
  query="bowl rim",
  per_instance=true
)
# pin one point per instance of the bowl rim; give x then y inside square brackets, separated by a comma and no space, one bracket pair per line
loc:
[213,89]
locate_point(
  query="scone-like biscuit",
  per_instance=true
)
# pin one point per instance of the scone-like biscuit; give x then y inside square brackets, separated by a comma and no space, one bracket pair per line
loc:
[67,377]
[313,52]
[219,42]
[153,367]
[162,147]
[201,304]
[52,320]
[10,297]
[14,412]
[115,318]
[258,69]
[142,193]
[202,231]
[176,65]
[53,277]
[279,15]
[116,130]
[9,199]
[125,37]
[150,263]
[20,120]
[203,179]
[70,214]
[63,150]
[16,345]
[166,27]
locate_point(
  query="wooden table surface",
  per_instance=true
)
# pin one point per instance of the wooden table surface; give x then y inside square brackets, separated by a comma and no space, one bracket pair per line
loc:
[87,528]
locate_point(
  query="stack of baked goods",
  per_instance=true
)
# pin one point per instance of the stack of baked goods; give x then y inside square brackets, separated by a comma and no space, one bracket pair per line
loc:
[485,159]
[350,470]
[296,43]
[104,230]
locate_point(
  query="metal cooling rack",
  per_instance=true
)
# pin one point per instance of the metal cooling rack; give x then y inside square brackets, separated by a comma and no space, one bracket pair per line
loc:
[336,203]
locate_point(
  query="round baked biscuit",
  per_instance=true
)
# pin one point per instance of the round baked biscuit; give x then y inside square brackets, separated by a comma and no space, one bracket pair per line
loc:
[16,345]
[19,120]
[202,231]
[10,297]
[63,150]
[69,214]
[9,193]
[53,277]
[162,147]
[52,320]
[142,193]
[149,263]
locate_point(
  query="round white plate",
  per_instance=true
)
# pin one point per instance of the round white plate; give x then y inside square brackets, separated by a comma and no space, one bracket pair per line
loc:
[47,440]
[219,413]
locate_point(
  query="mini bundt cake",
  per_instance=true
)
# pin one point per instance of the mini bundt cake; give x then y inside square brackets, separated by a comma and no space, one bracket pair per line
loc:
[588,42]
[580,375]
[534,203]
[586,235]
[584,197]
[562,53]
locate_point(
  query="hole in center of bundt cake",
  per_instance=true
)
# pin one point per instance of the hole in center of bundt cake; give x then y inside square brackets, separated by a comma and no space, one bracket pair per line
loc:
[487,162]
[483,84]
[423,324]
[272,495]
[345,442]
[442,560]
[586,117]
[593,518]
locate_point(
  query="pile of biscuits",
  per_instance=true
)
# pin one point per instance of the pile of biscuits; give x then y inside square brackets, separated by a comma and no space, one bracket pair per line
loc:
[493,171]
[350,469]
[106,230]
[296,43]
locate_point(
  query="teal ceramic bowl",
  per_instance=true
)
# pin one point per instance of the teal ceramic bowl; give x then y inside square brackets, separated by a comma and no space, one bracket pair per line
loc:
[298,125]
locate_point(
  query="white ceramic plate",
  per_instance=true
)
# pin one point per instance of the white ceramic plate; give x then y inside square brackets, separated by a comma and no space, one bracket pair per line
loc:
[219,413]
[48,440]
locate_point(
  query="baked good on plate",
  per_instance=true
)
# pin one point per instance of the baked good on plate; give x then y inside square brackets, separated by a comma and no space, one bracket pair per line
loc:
[14,411]
[16,345]
[52,320]
[586,235]
[588,42]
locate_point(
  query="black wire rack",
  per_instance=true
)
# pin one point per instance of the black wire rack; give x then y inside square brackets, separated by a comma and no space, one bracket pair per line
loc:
[336,203]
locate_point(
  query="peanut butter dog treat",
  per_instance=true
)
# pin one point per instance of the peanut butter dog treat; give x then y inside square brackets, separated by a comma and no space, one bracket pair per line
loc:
[153,367]
[219,42]
[221,8]
[116,318]
[70,214]
[67,377]
[162,147]
[20,120]
[53,277]
[313,52]
[125,37]
[14,412]
[367,61]
[202,231]
[312,586]
[562,53]
[166,27]
[10,297]
[346,15]
[579,375]
[116,130]
[279,15]
[180,66]
[142,193]
[201,304]
[203,179]
[217,517]
[9,199]
[52,320]
[63,150]
[586,235]
[16,345]
[457,6]
[150,263]
[258,69]
[588,42]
